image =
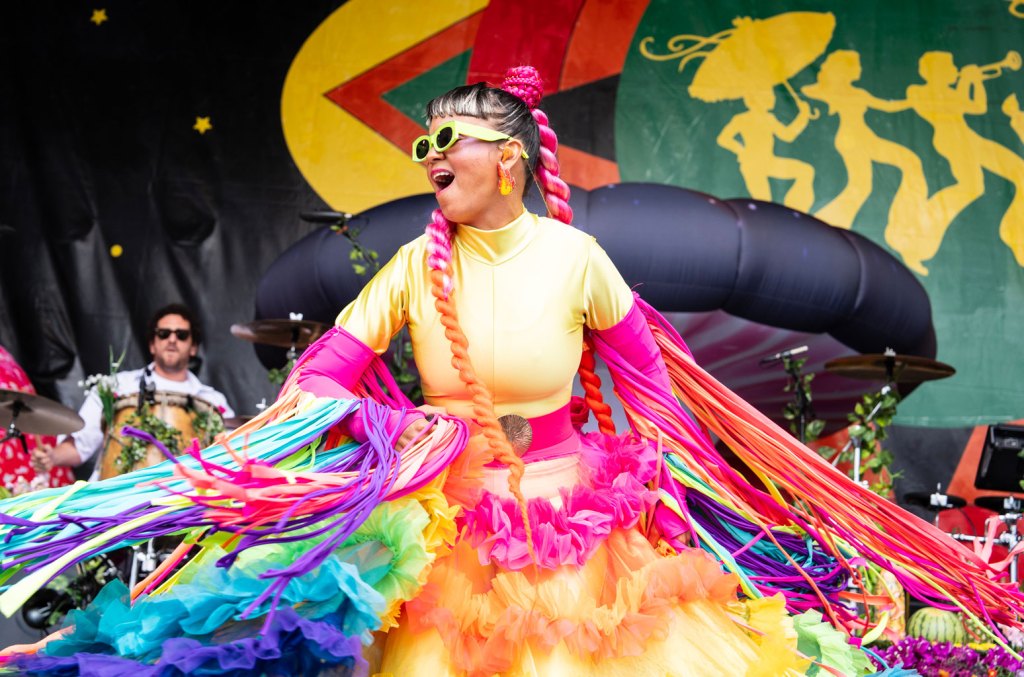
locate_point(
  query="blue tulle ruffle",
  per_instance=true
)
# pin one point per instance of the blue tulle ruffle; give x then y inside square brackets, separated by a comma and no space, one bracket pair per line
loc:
[289,645]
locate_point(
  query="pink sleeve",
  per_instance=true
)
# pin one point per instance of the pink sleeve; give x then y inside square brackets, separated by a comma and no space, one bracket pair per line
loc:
[332,365]
[632,339]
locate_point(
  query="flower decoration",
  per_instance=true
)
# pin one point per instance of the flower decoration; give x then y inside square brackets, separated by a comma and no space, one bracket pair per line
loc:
[950,660]
[105,387]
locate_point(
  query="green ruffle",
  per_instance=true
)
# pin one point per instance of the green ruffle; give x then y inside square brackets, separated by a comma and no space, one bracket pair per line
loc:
[826,645]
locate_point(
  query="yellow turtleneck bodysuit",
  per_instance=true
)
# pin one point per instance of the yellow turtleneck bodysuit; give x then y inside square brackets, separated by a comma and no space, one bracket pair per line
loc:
[523,292]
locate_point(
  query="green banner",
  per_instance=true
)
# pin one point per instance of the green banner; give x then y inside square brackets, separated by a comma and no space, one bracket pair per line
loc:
[900,120]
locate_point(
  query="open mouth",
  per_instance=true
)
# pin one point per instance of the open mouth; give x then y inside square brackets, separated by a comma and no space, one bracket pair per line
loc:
[442,178]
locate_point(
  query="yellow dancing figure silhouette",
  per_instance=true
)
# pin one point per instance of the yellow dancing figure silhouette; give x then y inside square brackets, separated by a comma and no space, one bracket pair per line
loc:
[859,146]
[947,96]
[751,137]
[747,62]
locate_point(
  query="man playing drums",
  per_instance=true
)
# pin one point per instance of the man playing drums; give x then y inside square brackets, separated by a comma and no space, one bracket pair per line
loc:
[174,337]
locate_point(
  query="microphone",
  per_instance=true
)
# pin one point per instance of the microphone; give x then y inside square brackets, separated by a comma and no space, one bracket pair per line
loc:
[783,355]
[325,217]
[146,388]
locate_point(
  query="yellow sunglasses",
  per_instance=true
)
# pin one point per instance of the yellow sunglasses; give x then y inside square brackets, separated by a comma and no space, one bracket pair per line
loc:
[450,132]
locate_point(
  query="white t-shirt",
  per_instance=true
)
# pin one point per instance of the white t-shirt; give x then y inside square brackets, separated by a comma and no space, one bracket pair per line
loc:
[89,439]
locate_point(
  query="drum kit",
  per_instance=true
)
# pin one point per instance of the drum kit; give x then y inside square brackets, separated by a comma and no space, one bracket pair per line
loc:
[895,370]
[294,333]
[1008,507]
[22,413]
[187,417]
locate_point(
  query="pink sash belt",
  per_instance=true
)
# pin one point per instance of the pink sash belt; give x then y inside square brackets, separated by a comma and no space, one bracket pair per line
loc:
[553,437]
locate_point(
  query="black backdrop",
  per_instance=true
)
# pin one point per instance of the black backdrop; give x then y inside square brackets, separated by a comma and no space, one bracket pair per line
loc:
[97,148]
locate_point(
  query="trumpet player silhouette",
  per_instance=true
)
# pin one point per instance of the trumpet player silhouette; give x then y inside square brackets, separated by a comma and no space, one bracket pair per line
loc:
[947,96]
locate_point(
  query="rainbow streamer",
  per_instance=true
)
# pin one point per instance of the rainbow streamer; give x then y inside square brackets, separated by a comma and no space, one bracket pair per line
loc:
[284,483]
[801,490]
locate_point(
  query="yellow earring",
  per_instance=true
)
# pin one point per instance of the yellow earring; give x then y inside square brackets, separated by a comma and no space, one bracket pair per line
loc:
[506,182]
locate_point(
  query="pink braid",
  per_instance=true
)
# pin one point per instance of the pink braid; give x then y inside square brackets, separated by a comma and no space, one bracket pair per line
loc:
[439,259]
[439,248]
[556,191]
[525,82]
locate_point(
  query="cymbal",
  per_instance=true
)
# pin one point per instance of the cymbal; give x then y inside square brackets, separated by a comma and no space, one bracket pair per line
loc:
[923,499]
[997,503]
[236,422]
[280,333]
[890,368]
[36,414]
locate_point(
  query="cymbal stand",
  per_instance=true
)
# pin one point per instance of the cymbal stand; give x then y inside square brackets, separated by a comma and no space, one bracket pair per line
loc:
[142,562]
[1010,538]
[12,430]
[856,441]
[293,351]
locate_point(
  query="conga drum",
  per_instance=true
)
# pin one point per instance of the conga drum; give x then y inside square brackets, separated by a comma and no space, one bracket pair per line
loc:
[175,419]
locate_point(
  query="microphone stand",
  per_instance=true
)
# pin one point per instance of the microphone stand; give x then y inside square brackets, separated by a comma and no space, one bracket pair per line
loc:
[800,391]
[800,386]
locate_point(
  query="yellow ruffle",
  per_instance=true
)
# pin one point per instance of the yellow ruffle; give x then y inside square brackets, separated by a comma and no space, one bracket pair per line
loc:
[775,635]
[627,611]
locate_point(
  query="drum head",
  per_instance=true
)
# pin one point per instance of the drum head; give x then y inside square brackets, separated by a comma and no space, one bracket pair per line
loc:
[193,418]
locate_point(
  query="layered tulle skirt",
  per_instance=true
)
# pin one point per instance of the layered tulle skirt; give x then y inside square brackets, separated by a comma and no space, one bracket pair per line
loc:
[441,581]
[595,596]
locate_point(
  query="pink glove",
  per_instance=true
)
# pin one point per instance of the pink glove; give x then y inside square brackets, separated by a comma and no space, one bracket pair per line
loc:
[332,365]
[632,339]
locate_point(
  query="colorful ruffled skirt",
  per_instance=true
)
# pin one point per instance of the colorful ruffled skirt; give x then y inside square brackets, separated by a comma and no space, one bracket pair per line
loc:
[595,597]
[441,581]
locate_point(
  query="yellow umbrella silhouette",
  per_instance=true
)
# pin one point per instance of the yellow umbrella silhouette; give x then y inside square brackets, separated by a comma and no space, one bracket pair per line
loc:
[753,55]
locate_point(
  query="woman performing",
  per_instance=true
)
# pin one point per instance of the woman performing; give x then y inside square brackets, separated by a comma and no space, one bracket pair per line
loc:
[488,534]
